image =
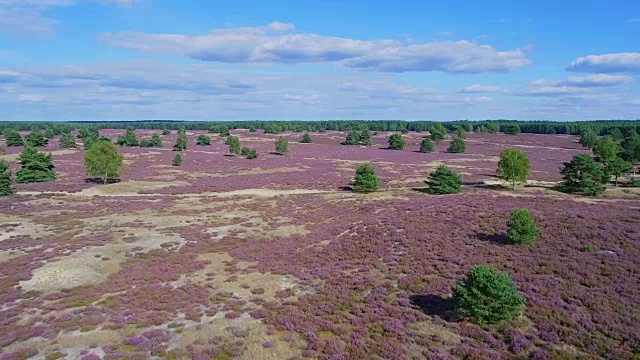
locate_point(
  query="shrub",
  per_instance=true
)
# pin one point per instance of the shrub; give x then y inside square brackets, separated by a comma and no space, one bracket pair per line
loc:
[67,141]
[166,132]
[103,160]
[521,228]
[282,145]
[5,179]
[155,141]
[513,129]
[582,175]
[443,181]
[177,160]
[13,139]
[462,134]
[203,140]
[588,138]
[249,153]
[493,128]
[457,146]
[252,129]
[234,144]
[49,133]
[365,137]
[426,146]
[396,142]
[513,166]
[487,296]
[366,180]
[181,141]
[353,138]
[438,132]
[306,139]
[35,166]
[129,139]
[36,139]
[404,131]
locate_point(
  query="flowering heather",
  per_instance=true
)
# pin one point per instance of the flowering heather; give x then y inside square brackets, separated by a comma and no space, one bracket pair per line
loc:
[170,264]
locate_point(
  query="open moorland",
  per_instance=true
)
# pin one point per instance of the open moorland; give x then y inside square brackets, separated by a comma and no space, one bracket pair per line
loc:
[276,258]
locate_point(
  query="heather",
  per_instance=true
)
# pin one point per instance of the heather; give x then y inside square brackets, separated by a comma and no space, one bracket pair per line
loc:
[275,257]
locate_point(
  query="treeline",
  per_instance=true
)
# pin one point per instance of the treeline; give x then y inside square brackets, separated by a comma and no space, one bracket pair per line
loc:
[600,127]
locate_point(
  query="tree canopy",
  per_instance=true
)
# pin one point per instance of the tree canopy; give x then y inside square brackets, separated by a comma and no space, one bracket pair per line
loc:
[513,166]
[457,146]
[521,228]
[103,160]
[5,179]
[35,166]
[203,140]
[426,146]
[396,142]
[282,145]
[366,180]
[443,181]
[582,175]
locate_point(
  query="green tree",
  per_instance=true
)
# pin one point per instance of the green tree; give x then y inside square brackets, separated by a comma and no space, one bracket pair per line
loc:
[252,129]
[606,150]
[512,129]
[35,166]
[365,138]
[587,138]
[618,167]
[181,141]
[249,153]
[155,141]
[36,139]
[129,139]
[224,132]
[49,133]
[513,167]
[203,140]
[166,132]
[457,146]
[443,181]
[366,180]
[493,128]
[631,148]
[616,134]
[306,138]
[5,179]
[177,160]
[521,228]
[426,146]
[67,141]
[462,134]
[582,175]
[13,139]
[438,132]
[103,160]
[396,142]
[88,141]
[282,145]
[353,138]
[487,296]
[234,144]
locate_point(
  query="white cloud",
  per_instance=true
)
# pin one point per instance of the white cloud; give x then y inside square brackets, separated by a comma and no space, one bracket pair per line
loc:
[554,90]
[596,80]
[607,63]
[479,89]
[260,45]
[635,102]
[29,98]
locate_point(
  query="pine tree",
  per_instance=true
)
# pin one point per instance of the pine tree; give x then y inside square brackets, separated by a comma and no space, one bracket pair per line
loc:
[457,146]
[13,139]
[249,153]
[588,138]
[365,137]
[462,134]
[618,167]
[438,132]
[103,160]
[353,138]
[177,160]
[396,142]
[582,175]
[513,129]
[203,140]
[67,141]
[306,138]
[234,144]
[49,133]
[155,141]
[129,139]
[35,166]
[426,146]
[521,228]
[36,139]
[5,179]
[166,132]
[443,181]
[366,180]
[282,146]
[181,141]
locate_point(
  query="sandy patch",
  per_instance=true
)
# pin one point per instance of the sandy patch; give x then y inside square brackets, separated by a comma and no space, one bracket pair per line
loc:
[11,226]
[264,192]
[14,157]
[173,174]
[130,188]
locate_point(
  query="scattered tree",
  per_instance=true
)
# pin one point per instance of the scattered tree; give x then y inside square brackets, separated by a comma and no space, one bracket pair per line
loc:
[438,132]
[35,166]
[67,141]
[493,128]
[129,139]
[587,138]
[631,148]
[13,138]
[582,175]
[513,167]
[616,134]
[606,150]
[234,144]
[512,129]
[487,296]
[462,134]
[224,132]
[353,138]
[443,181]
[155,141]
[5,179]
[365,138]
[426,146]
[396,142]
[457,146]
[250,153]
[521,228]
[36,139]
[166,132]
[88,141]
[282,145]
[177,160]
[181,141]
[404,131]
[306,138]
[366,180]
[618,167]
[203,140]
[252,129]
[49,133]
[103,160]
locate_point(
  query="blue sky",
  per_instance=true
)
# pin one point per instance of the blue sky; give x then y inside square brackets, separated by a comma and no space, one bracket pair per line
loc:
[319,59]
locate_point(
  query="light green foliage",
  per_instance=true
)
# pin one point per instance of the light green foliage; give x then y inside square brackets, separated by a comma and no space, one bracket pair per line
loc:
[618,167]
[462,134]
[13,138]
[493,128]
[396,142]
[587,138]
[282,145]
[306,139]
[631,147]
[252,129]
[457,146]
[426,146]
[606,150]
[49,133]
[513,166]
[616,134]
[155,141]
[103,160]
[234,144]
[512,129]
[5,179]
[177,160]
[521,228]
[67,141]
[487,296]
[366,180]
[181,141]
[443,181]
[35,166]
[203,140]
[250,153]
[582,175]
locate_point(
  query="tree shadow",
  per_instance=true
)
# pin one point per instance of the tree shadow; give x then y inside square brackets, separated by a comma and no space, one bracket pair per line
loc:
[100,181]
[229,155]
[276,153]
[345,188]
[435,305]
[500,239]
[423,190]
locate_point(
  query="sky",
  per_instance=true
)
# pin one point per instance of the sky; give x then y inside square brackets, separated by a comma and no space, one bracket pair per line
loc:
[64,60]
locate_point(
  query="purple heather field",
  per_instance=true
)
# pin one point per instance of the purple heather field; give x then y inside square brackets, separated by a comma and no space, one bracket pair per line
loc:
[225,257]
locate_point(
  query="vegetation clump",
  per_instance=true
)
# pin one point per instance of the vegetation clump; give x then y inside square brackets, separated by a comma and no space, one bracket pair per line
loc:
[366,180]
[521,228]
[396,142]
[282,145]
[5,179]
[35,166]
[103,161]
[487,296]
[457,146]
[306,139]
[36,139]
[181,141]
[513,129]
[513,167]
[438,132]
[250,153]
[582,175]
[177,160]
[128,139]
[13,138]
[588,138]
[234,144]
[443,181]
[203,140]
[426,146]
[67,141]
[155,142]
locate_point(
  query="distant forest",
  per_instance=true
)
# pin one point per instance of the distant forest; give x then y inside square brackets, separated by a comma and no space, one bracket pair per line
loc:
[601,127]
